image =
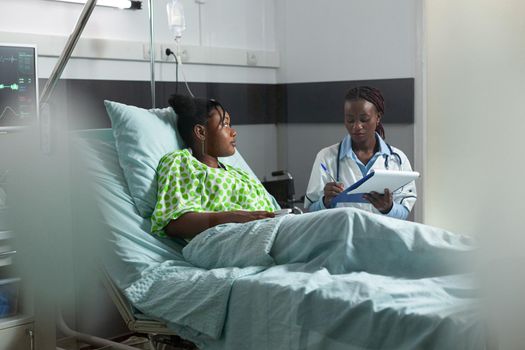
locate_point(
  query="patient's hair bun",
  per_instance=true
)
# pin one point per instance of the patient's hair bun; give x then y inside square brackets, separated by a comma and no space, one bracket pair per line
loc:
[183,105]
[190,112]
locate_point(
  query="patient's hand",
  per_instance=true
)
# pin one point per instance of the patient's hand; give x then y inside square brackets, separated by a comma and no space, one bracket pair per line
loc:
[191,224]
[331,190]
[245,216]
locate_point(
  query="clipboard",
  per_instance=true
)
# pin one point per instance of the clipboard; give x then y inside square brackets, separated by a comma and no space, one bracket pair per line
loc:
[377,181]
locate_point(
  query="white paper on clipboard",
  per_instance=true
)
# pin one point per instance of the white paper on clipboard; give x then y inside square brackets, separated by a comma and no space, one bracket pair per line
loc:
[382,179]
[376,181]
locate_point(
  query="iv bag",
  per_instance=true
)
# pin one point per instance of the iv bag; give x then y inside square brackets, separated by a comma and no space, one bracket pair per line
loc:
[176,17]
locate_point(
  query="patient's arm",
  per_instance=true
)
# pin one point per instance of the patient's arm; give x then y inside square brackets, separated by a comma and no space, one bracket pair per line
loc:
[191,224]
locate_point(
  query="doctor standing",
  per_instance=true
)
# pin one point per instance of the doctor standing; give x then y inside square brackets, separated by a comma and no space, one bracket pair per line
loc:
[361,151]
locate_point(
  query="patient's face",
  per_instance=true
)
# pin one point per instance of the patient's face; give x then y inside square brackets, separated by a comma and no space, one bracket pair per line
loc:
[220,136]
[361,119]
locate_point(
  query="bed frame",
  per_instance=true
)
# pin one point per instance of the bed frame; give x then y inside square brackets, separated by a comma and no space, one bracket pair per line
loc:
[157,331]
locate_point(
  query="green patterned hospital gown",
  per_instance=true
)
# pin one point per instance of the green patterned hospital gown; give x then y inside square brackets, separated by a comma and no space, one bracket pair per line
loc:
[187,185]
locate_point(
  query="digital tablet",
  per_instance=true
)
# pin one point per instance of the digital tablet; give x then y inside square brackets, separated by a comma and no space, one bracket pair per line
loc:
[376,181]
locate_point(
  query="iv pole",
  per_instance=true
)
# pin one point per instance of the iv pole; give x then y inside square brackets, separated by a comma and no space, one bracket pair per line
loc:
[49,88]
[151,52]
[66,53]
[45,108]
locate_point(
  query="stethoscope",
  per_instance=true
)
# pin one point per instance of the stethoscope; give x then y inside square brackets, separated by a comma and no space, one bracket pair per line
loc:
[386,158]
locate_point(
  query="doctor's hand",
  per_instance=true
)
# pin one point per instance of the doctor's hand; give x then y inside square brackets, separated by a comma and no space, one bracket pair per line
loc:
[331,189]
[382,202]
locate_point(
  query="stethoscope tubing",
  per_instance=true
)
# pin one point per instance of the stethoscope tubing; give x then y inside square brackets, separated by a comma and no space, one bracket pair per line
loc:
[385,156]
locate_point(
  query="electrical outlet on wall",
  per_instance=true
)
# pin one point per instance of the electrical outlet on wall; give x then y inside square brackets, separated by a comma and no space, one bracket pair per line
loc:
[146,54]
[184,56]
[163,55]
[251,58]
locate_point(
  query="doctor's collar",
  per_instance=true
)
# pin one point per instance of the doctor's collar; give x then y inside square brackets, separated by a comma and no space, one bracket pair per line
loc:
[346,147]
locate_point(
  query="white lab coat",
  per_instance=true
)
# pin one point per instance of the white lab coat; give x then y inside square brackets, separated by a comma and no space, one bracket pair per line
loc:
[349,173]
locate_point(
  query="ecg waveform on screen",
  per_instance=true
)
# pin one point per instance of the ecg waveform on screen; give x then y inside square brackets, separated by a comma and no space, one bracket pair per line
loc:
[13,87]
[8,113]
[11,59]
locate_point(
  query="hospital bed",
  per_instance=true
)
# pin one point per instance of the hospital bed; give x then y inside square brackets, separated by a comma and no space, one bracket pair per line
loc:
[267,305]
[157,331]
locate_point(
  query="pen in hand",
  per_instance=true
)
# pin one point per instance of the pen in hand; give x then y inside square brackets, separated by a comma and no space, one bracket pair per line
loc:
[326,171]
[331,189]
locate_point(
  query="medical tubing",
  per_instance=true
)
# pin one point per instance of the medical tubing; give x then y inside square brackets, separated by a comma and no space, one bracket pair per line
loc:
[177,42]
[89,339]
[178,62]
[185,81]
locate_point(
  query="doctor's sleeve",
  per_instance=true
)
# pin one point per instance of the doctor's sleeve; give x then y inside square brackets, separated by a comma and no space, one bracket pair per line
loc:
[313,200]
[398,211]
[406,197]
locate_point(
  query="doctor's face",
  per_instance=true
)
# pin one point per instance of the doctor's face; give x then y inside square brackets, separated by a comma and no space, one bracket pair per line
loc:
[361,120]
[220,136]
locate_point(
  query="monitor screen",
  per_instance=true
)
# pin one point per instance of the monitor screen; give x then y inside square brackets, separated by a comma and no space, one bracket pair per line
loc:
[18,86]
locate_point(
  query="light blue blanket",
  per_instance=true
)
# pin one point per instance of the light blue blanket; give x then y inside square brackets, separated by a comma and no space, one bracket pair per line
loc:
[340,240]
[187,296]
[234,245]
[292,307]
[377,269]
[198,294]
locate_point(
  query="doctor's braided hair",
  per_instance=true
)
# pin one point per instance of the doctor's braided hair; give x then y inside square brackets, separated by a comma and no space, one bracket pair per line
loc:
[373,96]
[192,111]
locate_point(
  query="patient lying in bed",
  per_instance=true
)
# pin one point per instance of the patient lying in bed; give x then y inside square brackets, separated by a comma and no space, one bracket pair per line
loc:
[196,193]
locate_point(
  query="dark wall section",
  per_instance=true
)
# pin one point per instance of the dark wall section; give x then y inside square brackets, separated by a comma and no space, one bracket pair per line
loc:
[246,103]
[322,102]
